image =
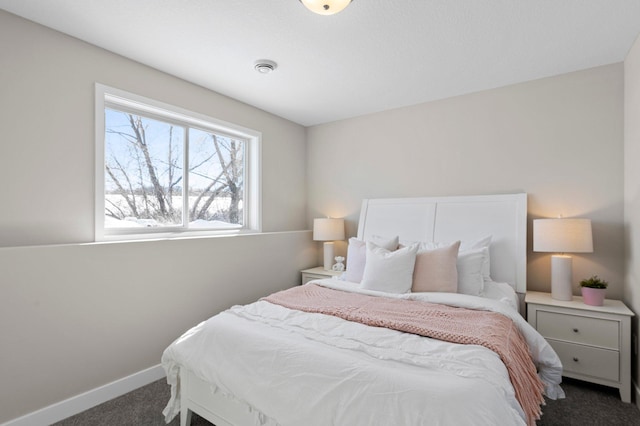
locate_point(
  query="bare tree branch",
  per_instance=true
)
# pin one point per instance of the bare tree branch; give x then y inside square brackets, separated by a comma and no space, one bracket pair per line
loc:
[130,201]
[138,128]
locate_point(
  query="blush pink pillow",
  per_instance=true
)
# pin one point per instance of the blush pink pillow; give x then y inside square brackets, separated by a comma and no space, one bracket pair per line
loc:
[436,270]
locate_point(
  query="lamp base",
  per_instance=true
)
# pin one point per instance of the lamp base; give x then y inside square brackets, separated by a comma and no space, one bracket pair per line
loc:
[328,255]
[561,277]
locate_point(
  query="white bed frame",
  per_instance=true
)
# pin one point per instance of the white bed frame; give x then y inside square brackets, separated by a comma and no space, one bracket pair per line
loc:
[440,219]
[448,219]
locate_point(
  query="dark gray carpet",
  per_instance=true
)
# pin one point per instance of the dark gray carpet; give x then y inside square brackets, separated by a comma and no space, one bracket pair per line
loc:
[586,404]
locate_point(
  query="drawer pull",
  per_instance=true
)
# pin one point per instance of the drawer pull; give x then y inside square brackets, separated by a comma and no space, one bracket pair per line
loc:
[575,359]
[575,330]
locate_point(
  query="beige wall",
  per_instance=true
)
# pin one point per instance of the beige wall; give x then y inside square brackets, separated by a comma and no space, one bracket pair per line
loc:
[47,149]
[632,189]
[74,317]
[559,139]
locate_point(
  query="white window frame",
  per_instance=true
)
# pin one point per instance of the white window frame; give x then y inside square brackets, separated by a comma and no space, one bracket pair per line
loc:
[108,96]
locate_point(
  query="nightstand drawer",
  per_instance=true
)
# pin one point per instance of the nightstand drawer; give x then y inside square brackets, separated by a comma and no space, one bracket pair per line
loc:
[318,273]
[578,329]
[310,277]
[594,362]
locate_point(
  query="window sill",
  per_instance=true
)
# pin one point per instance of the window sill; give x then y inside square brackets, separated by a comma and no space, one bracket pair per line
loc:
[174,235]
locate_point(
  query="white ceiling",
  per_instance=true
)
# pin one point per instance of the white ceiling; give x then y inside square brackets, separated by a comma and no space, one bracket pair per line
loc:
[375,55]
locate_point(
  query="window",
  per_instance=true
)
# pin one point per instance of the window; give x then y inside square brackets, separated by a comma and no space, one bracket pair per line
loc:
[161,169]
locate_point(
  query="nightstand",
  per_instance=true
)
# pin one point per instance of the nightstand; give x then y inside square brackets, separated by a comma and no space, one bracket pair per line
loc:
[317,274]
[593,342]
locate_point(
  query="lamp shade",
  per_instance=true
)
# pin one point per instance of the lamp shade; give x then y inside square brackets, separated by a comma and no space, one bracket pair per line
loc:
[328,229]
[562,235]
[325,7]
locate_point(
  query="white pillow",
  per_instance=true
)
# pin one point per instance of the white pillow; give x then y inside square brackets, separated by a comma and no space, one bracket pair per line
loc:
[478,244]
[357,255]
[389,271]
[470,265]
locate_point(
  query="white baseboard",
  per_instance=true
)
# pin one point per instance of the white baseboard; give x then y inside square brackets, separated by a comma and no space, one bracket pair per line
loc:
[79,403]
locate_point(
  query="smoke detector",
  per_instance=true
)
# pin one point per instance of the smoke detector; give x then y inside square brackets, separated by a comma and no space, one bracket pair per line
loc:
[265,66]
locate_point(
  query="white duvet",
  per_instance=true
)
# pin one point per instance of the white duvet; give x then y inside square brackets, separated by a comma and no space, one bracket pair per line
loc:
[294,368]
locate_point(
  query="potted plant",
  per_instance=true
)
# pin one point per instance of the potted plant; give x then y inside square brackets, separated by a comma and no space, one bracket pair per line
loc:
[593,290]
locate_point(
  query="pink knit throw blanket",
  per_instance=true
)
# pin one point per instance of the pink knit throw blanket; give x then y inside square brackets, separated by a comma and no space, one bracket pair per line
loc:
[451,324]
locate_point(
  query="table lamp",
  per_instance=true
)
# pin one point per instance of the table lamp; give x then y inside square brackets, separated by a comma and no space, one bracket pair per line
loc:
[328,230]
[562,236]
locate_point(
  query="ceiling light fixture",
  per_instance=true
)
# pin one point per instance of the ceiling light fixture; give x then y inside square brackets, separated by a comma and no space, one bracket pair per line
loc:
[265,66]
[325,7]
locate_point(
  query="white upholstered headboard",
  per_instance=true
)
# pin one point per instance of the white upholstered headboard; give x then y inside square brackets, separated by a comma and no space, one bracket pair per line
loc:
[447,219]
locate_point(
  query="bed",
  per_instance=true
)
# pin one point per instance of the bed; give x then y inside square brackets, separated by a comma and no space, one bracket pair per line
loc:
[283,360]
